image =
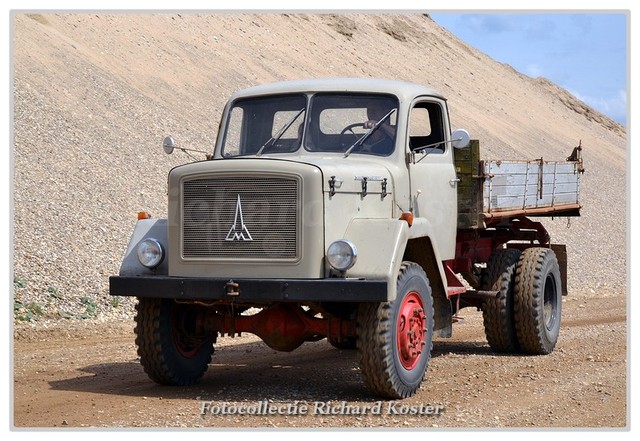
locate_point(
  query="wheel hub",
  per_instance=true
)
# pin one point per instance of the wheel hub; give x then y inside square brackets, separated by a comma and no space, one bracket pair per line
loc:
[411,330]
[550,299]
[187,337]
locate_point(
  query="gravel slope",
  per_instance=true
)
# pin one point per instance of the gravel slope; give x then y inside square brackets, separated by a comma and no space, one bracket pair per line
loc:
[95,94]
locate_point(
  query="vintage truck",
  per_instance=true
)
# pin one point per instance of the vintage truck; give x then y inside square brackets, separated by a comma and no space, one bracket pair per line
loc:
[346,209]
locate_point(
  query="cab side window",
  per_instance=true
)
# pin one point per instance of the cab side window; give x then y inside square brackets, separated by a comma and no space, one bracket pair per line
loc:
[425,128]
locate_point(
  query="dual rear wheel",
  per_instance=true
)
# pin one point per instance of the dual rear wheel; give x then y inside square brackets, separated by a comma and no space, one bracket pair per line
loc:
[525,315]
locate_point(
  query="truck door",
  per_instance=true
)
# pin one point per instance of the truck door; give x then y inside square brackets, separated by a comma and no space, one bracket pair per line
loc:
[432,174]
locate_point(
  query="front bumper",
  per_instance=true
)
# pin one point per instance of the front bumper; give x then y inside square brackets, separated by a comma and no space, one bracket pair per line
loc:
[250,290]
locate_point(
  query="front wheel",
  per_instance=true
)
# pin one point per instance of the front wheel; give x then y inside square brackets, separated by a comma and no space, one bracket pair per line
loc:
[395,338]
[538,300]
[171,350]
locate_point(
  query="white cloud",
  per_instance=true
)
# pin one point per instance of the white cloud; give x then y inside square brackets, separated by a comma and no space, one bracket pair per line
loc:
[533,70]
[492,23]
[615,107]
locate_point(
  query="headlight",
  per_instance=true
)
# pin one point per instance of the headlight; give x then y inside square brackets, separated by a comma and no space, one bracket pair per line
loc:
[150,253]
[342,255]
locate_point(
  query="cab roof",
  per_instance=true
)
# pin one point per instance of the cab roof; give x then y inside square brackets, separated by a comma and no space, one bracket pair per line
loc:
[405,91]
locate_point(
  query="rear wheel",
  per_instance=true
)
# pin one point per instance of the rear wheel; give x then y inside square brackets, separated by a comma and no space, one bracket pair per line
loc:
[343,343]
[395,338]
[170,349]
[538,300]
[497,312]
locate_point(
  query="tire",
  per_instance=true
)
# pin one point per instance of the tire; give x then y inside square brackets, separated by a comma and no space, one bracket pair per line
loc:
[538,301]
[391,368]
[348,343]
[170,351]
[497,313]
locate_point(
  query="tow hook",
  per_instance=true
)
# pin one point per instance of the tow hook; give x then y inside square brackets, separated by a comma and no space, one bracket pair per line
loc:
[232,288]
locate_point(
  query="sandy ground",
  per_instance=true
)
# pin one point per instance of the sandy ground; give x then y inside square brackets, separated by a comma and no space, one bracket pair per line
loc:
[84,376]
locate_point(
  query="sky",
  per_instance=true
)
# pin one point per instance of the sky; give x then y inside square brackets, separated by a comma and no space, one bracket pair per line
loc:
[585,53]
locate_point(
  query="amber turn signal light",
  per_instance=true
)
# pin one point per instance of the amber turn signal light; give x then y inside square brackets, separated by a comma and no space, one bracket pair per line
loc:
[143,215]
[407,216]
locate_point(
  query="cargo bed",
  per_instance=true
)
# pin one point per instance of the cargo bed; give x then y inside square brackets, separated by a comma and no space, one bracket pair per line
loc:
[494,189]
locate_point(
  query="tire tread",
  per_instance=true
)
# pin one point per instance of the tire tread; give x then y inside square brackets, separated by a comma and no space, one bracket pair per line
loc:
[375,345]
[497,313]
[531,273]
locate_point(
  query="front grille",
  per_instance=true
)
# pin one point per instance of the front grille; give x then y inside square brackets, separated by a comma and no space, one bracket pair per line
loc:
[252,217]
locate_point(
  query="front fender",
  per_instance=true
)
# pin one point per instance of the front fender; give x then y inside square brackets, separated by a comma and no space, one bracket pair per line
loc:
[152,228]
[422,228]
[381,245]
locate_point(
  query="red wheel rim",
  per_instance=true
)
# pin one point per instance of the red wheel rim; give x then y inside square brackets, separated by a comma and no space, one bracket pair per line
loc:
[182,348]
[185,347]
[411,330]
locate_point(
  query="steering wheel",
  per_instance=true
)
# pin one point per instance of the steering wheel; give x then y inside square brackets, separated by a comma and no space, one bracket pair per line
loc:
[349,128]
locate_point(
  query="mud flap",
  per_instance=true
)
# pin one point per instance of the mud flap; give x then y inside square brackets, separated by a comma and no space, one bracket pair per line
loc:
[442,316]
[561,255]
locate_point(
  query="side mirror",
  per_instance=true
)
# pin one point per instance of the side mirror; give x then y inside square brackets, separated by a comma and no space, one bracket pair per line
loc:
[460,139]
[168,145]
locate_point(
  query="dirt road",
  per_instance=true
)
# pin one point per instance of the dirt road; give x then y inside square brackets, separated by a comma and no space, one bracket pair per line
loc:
[87,374]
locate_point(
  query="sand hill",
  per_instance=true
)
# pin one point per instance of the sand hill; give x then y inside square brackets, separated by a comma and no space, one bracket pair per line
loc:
[94,95]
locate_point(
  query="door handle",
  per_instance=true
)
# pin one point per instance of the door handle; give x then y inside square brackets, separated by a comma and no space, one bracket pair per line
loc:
[454,181]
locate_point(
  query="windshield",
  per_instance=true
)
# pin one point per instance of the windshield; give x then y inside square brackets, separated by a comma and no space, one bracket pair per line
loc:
[266,124]
[324,122]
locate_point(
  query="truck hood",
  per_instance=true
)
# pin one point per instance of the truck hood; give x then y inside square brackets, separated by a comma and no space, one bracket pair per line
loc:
[347,175]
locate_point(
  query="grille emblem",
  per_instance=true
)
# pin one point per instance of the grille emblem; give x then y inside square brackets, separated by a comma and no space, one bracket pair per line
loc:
[238,230]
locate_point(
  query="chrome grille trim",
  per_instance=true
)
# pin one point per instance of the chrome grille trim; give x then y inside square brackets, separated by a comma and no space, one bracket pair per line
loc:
[266,228]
